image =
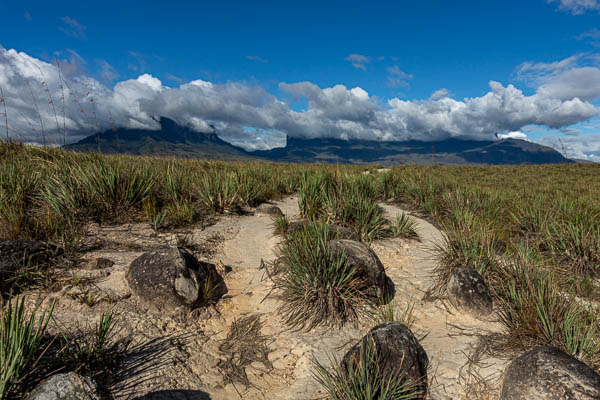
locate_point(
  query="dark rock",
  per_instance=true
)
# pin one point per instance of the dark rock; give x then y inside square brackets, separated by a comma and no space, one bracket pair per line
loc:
[15,254]
[269,209]
[175,395]
[336,231]
[171,277]
[367,264]
[69,386]
[467,291]
[398,354]
[547,373]
[100,263]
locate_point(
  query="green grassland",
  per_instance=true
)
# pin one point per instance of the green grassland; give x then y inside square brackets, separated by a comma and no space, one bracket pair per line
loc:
[533,232]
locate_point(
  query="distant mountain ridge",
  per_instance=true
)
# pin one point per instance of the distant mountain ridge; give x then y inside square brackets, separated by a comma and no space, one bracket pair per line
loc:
[171,139]
[176,140]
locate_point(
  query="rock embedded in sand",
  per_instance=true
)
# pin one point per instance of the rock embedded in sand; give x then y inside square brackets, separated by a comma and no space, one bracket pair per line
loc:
[336,231]
[467,291]
[547,373]
[100,263]
[269,209]
[70,386]
[367,265]
[16,253]
[397,352]
[171,277]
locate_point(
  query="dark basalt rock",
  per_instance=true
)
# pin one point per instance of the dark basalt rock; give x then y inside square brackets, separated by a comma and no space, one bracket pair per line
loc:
[367,265]
[336,231]
[17,253]
[547,373]
[171,277]
[269,209]
[467,291]
[70,386]
[397,353]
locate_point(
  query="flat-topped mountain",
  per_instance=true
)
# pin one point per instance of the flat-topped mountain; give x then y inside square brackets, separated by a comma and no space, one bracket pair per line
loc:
[176,140]
[171,139]
[450,151]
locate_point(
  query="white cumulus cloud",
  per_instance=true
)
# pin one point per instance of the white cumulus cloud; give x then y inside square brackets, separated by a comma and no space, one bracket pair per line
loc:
[249,116]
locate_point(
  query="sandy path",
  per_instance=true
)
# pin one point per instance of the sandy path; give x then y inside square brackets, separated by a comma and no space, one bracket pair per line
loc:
[188,367]
[446,332]
[248,290]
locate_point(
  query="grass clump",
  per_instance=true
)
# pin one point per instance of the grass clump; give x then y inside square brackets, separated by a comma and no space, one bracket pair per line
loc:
[535,311]
[93,353]
[389,312]
[316,286]
[22,344]
[364,379]
[577,246]
[281,224]
[405,227]
[464,247]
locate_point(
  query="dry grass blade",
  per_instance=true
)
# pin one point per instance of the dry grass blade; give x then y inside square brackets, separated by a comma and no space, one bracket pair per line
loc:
[244,345]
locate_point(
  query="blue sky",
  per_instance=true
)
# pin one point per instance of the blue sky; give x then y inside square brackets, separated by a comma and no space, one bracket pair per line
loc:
[391,50]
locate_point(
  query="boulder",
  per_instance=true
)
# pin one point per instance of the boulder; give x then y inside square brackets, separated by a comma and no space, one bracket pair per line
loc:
[269,209]
[547,373]
[70,386]
[17,253]
[397,353]
[467,291]
[171,277]
[336,231]
[367,265]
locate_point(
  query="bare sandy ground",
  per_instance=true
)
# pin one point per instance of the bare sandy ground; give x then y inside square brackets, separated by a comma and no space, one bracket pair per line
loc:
[178,354]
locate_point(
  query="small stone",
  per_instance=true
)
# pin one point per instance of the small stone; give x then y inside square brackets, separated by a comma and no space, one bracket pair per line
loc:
[467,291]
[269,209]
[100,263]
[70,386]
[547,373]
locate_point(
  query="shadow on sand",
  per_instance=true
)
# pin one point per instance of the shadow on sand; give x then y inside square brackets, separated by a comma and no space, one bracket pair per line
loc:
[175,395]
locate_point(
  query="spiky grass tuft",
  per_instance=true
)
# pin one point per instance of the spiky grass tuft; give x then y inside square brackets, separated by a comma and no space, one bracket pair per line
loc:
[316,286]
[405,227]
[464,247]
[535,311]
[21,343]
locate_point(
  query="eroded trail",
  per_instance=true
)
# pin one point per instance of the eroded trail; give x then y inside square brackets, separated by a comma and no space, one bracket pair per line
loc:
[249,290]
[184,361]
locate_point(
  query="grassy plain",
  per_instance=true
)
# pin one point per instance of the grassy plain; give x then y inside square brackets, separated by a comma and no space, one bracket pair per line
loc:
[533,232]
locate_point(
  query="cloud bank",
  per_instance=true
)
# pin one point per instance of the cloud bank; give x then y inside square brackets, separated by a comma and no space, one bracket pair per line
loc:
[249,116]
